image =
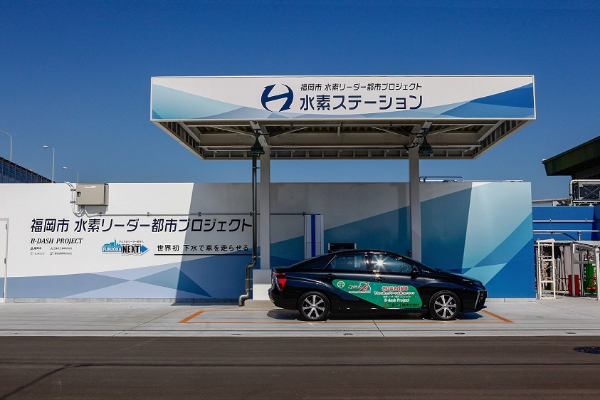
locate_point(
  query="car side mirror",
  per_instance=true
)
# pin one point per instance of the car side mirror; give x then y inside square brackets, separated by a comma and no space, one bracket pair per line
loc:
[414,273]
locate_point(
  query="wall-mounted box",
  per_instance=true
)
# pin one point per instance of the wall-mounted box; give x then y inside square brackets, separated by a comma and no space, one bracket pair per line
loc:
[92,194]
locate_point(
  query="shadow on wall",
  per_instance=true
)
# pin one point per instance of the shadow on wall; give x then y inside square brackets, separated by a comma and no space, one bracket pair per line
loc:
[217,247]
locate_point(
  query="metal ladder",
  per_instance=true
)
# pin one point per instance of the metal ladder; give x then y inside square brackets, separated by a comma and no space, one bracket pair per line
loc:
[546,269]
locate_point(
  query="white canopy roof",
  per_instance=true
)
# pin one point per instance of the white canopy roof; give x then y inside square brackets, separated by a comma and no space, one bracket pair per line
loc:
[342,117]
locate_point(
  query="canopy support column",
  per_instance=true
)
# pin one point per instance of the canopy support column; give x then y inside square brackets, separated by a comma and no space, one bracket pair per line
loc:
[265,210]
[415,203]
[242,299]
[262,276]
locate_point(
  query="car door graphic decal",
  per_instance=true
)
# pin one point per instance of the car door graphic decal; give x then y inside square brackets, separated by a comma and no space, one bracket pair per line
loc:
[384,295]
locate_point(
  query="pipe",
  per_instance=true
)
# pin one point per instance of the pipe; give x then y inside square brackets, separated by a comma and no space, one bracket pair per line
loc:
[550,201]
[564,230]
[566,221]
[249,267]
[196,214]
[246,295]
[442,177]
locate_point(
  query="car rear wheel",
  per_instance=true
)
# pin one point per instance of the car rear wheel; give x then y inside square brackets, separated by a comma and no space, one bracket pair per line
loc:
[313,306]
[444,305]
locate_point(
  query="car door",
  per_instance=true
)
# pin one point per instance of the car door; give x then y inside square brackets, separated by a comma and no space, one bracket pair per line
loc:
[397,282]
[352,278]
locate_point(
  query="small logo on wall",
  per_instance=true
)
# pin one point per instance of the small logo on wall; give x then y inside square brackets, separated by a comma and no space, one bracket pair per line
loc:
[112,247]
[136,249]
[126,248]
[266,97]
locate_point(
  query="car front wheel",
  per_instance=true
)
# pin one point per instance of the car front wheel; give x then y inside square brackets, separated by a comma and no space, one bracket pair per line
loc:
[313,306]
[444,305]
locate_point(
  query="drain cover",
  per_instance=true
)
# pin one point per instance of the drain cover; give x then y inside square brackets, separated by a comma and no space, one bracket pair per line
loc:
[589,350]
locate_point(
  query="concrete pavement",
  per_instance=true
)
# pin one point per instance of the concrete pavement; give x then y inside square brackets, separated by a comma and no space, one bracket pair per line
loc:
[564,316]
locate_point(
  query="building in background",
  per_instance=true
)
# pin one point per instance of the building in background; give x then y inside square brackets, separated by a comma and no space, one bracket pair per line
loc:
[14,173]
[567,234]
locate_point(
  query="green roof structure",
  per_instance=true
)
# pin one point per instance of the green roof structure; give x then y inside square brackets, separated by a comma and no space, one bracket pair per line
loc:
[581,162]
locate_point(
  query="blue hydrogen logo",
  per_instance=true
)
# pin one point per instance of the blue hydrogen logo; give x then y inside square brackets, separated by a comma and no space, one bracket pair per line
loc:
[112,247]
[267,97]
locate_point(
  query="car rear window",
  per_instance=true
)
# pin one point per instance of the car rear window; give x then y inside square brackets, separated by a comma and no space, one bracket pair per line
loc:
[349,262]
[312,263]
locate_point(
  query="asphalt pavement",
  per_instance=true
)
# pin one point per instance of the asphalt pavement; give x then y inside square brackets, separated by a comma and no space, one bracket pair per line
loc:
[298,368]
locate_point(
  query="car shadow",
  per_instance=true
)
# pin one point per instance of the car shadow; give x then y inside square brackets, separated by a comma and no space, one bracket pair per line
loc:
[284,315]
[293,315]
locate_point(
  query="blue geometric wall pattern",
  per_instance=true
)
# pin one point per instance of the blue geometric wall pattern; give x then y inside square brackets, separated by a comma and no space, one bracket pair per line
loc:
[516,277]
[287,252]
[499,228]
[444,222]
[215,278]
[484,231]
[387,231]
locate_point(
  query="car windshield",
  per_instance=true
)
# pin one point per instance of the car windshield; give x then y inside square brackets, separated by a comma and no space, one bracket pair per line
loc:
[425,269]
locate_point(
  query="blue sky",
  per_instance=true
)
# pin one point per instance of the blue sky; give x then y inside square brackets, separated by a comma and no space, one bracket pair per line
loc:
[75,75]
